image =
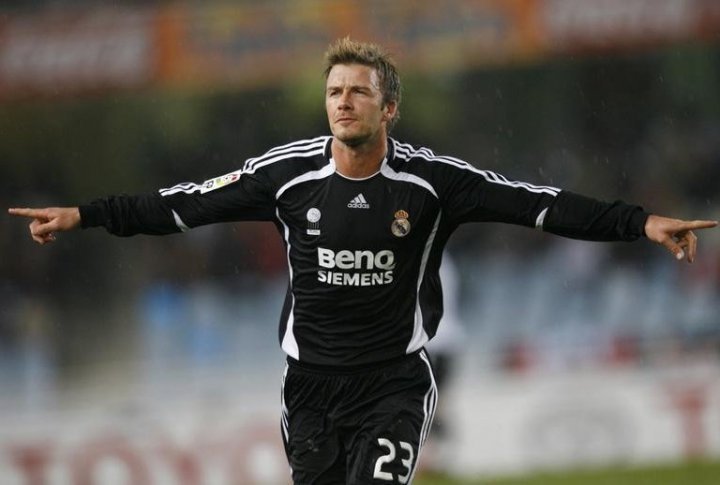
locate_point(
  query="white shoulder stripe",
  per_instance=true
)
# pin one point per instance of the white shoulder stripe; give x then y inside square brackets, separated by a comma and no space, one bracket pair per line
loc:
[498,178]
[300,143]
[315,147]
[187,187]
[302,149]
[285,156]
[407,177]
[326,171]
[406,152]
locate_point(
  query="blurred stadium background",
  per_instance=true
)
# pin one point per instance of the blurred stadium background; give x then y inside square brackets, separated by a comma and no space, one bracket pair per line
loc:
[129,361]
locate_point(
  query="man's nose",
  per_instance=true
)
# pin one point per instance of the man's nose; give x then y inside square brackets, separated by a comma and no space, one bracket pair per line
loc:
[344,101]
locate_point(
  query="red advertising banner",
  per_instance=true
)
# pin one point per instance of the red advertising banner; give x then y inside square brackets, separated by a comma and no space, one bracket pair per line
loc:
[275,41]
[65,52]
[240,45]
[267,43]
[582,25]
[244,45]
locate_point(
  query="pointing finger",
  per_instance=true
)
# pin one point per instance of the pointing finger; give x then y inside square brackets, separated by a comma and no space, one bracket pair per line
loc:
[690,225]
[27,212]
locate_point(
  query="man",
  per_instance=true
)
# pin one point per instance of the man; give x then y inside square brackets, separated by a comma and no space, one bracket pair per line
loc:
[364,219]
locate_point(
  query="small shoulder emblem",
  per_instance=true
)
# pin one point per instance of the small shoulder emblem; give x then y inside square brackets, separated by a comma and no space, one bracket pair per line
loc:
[219,182]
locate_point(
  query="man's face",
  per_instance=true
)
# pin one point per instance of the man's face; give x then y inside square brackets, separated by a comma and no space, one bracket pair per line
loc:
[354,104]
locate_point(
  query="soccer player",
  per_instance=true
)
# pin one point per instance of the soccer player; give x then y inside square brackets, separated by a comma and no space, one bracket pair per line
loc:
[364,219]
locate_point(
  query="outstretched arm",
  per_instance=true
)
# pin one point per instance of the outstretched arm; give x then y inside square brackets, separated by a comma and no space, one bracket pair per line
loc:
[676,235]
[47,221]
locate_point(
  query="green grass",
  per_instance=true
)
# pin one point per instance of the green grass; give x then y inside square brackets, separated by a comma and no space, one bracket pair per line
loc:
[694,473]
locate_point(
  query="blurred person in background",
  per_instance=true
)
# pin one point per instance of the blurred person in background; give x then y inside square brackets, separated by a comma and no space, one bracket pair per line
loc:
[443,350]
[364,219]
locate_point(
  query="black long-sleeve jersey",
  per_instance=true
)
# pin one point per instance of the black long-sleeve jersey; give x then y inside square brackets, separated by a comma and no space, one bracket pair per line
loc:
[363,254]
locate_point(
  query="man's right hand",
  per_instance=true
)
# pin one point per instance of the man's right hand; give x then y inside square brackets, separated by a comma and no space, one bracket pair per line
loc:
[47,221]
[676,235]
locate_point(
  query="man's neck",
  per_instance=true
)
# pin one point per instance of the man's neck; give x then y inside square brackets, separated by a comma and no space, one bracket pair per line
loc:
[359,161]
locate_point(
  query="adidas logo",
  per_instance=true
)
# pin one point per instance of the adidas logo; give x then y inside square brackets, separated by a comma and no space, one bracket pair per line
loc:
[359,202]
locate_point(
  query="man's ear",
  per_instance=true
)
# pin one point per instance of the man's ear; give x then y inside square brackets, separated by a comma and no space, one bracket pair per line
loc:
[390,110]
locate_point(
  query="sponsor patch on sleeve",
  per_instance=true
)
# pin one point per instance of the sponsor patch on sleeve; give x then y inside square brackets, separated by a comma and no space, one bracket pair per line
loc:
[219,182]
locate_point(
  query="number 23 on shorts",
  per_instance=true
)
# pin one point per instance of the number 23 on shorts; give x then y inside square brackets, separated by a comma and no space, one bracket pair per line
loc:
[405,454]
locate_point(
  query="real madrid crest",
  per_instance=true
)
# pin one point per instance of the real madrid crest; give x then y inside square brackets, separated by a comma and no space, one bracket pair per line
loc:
[400,227]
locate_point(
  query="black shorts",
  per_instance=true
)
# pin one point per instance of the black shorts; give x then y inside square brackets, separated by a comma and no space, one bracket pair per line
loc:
[356,428]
